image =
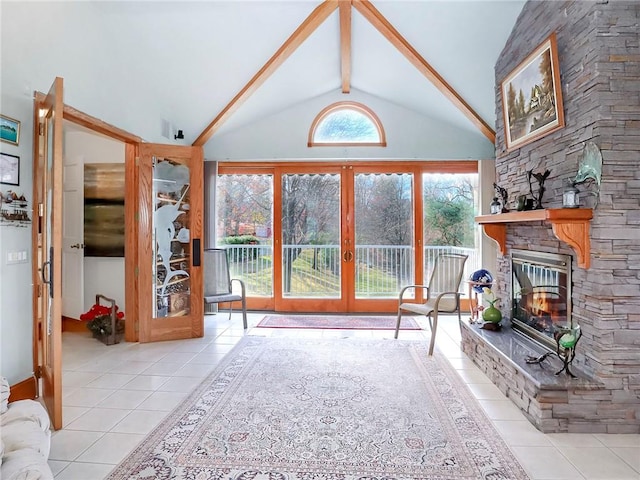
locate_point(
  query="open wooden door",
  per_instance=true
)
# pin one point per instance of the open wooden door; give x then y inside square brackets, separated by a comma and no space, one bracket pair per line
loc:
[170,247]
[47,247]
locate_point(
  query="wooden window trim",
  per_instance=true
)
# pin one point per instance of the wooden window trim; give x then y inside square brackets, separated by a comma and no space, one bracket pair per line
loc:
[347,106]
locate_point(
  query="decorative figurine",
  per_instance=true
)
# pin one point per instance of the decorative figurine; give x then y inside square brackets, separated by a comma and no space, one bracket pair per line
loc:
[540,178]
[566,341]
[502,193]
[590,168]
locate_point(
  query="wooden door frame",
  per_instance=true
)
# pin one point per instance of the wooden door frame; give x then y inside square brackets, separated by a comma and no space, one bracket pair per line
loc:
[46,298]
[177,327]
[303,304]
[417,168]
[131,142]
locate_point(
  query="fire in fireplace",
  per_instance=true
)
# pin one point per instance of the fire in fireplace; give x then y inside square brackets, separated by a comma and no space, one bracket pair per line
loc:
[541,294]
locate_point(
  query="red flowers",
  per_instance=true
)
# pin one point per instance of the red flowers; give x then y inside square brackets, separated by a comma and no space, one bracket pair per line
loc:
[100,310]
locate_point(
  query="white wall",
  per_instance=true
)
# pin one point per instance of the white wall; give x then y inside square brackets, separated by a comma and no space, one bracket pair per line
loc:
[16,323]
[488,246]
[36,47]
[106,88]
[104,275]
[410,136]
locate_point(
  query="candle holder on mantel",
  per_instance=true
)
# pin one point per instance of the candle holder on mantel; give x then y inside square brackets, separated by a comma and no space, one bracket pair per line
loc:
[566,341]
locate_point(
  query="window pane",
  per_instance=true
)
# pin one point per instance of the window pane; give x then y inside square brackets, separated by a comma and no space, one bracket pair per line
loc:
[449,209]
[244,228]
[384,234]
[311,236]
[346,126]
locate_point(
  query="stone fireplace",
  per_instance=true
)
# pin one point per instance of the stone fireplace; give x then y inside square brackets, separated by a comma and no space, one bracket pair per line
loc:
[599,63]
[540,294]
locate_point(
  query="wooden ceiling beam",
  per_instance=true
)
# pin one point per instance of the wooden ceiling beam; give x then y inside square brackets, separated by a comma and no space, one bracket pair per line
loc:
[306,28]
[345,44]
[378,20]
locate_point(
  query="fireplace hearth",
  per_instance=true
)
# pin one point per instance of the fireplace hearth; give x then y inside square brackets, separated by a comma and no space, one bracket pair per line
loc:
[541,295]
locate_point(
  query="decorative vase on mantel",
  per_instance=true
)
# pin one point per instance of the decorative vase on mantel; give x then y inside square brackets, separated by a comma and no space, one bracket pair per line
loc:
[492,314]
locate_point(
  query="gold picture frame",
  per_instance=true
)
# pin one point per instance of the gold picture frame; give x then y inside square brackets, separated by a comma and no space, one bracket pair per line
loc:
[9,130]
[532,97]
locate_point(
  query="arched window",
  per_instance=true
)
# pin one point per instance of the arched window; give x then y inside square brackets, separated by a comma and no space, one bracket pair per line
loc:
[347,124]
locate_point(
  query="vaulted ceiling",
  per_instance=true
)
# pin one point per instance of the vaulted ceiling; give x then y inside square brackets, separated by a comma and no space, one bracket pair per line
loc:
[194,58]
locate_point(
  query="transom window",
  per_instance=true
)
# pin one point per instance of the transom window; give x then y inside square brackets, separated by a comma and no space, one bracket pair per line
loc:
[347,124]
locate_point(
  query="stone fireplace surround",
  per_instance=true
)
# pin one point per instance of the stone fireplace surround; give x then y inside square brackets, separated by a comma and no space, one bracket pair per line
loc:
[553,403]
[599,57]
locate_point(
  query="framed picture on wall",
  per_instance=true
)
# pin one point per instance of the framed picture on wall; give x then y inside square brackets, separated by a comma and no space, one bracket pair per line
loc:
[9,169]
[532,97]
[9,130]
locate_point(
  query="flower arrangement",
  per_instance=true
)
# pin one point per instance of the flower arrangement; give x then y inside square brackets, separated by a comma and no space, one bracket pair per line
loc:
[490,297]
[491,315]
[98,320]
[98,310]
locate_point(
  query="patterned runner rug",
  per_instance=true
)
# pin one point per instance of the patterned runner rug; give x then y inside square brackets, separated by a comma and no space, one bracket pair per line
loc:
[326,409]
[339,322]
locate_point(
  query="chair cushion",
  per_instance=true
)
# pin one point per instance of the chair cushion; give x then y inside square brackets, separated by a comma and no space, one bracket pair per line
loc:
[420,308]
[448,305]
[231,297]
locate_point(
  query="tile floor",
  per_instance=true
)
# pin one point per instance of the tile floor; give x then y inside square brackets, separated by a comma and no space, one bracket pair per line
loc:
[113,396]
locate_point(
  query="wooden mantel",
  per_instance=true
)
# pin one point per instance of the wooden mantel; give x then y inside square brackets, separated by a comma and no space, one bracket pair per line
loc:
[570,225]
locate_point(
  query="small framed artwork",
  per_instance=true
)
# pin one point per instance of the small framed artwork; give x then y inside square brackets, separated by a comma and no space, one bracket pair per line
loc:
[532,97]
[9,130]
[9,169]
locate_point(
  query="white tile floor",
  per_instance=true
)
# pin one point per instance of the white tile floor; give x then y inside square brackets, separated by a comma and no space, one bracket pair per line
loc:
[113,396]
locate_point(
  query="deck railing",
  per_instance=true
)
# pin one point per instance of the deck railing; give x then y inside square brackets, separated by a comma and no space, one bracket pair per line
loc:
[314,270]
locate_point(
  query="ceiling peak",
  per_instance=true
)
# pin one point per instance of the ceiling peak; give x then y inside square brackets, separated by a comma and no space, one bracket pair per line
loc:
[380,23]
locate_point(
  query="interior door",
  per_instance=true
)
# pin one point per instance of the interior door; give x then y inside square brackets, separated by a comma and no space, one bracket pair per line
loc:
[48,248]
[73,236]
[170,246]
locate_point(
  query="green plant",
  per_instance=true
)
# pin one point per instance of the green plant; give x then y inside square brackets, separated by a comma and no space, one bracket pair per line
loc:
[101,325]
[490,297]
[241,240]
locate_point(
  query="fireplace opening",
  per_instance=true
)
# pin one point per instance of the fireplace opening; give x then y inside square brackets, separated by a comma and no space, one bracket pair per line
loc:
[540,294]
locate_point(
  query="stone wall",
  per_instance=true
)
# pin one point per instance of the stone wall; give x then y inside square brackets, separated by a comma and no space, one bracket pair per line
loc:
[599,57]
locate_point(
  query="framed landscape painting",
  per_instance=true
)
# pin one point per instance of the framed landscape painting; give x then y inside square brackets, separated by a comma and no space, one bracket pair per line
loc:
[9,130]
[532,97]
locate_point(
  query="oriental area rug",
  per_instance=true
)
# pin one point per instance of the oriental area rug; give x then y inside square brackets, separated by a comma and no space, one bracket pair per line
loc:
[325,409]
[338,322]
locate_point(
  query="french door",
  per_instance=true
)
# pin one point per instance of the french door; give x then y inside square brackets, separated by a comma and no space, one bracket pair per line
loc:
[47,242]
[335,238]
[170,242]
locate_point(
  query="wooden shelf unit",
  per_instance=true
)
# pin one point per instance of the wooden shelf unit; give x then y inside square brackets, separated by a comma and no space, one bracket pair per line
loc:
[570,225]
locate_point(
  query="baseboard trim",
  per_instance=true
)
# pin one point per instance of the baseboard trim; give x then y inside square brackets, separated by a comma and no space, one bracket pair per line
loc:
[24,390]
[73,325]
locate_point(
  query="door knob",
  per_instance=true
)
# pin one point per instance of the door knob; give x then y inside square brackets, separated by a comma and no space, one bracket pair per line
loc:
[77,245]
